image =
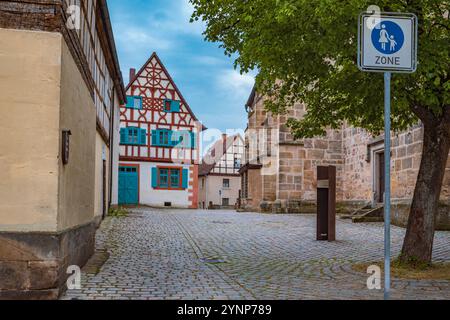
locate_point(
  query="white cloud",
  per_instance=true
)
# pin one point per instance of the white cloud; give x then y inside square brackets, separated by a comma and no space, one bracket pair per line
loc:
[208,61]
[134,38]
[239,84]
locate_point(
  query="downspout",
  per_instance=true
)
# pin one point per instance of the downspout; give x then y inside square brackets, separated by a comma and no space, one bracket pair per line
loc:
[111,144]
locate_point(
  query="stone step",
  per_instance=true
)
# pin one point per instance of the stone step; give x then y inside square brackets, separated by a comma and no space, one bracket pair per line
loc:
[360,219]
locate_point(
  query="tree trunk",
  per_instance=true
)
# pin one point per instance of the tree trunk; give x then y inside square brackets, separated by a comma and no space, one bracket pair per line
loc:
[418,243]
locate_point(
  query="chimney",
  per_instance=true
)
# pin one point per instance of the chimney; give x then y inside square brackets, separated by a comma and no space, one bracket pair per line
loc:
[132,74]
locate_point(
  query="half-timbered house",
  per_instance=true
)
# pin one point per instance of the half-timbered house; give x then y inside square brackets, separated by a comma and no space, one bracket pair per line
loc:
[219,178]
[159,142]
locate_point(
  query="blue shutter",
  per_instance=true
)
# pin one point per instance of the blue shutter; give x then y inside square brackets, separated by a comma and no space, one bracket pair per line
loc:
[142,137]
[175,106]
[123,135]
[154,177]
[154,137]
[185,179]
[193,140]
[130,102]
[171,135]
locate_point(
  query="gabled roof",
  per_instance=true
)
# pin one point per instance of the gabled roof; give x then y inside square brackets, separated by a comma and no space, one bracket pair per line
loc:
[215,153]
[155,56]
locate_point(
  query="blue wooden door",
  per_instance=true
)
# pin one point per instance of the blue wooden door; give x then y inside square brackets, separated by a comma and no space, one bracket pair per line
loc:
[128,185]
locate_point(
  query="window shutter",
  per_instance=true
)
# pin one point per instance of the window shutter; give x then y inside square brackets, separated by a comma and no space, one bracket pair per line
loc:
[185,179]
[170,135]
[142,137]
[175,106]
[154,137]
[130,101]
[154,177]
[193,140]
[123,135]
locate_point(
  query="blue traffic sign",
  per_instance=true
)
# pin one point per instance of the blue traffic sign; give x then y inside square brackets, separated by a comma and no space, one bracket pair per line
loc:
[388,37]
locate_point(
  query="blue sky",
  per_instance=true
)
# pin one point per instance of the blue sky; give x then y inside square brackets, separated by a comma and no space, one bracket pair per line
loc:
[205,76]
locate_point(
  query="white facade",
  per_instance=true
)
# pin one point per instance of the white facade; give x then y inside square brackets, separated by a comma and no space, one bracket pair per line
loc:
[161,198]
[220,182]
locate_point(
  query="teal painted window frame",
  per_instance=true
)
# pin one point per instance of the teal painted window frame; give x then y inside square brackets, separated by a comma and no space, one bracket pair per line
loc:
[138,136]
[166,178]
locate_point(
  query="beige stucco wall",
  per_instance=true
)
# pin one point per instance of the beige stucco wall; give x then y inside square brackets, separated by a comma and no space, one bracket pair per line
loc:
[214,184]
[77,178]
[42,94]
[101,152]
[30,64]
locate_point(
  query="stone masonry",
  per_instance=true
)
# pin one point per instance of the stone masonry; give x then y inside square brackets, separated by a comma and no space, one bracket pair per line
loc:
[279,173]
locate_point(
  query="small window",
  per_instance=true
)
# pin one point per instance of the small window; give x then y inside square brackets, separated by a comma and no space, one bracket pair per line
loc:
[133,136]
[226,183]
[137,103]
[134,102]
[170,178]
[164,137]
[167,105]
[163,178]
[237,163]
[175,178]
[171,105]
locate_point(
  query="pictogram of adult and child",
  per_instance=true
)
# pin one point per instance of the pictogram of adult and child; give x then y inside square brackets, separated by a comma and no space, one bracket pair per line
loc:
[387,37]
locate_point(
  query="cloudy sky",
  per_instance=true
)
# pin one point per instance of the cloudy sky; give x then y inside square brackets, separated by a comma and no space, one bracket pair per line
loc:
[206,77]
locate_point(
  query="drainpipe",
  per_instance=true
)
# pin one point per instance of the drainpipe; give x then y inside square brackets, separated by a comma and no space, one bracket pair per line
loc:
[111,146]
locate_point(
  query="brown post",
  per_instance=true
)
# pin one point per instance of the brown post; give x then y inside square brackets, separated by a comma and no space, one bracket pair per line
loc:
[326,203]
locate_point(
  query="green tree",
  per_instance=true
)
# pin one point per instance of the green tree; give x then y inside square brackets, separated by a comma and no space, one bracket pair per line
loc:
[306,50]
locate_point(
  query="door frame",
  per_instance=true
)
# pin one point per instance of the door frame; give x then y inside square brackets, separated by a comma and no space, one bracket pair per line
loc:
[138,169]
[375,154]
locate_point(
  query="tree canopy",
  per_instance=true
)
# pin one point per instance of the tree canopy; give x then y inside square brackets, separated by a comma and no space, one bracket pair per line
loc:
[305,50]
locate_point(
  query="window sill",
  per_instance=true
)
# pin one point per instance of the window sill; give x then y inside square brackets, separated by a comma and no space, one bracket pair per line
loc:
[169,189]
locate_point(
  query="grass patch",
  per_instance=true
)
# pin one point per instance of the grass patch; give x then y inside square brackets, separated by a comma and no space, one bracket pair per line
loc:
[436,271]
[118,212]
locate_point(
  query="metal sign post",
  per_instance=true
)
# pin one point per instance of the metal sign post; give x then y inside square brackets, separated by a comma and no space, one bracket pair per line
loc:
[387,42]
[387,185]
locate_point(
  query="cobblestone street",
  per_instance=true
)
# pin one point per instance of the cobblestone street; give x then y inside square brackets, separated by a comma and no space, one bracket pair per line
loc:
[182,254]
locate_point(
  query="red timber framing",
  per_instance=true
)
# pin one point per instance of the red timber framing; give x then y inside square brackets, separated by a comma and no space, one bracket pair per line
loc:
[154,84]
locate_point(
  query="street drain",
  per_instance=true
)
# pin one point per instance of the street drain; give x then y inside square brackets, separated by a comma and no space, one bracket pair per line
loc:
[221,222]
[213,260]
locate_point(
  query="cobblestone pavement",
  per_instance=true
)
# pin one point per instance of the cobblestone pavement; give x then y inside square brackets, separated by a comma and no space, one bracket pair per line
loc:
[183,254]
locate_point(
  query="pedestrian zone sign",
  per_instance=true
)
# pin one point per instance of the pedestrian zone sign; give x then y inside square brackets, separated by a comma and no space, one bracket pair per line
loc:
[387,42]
